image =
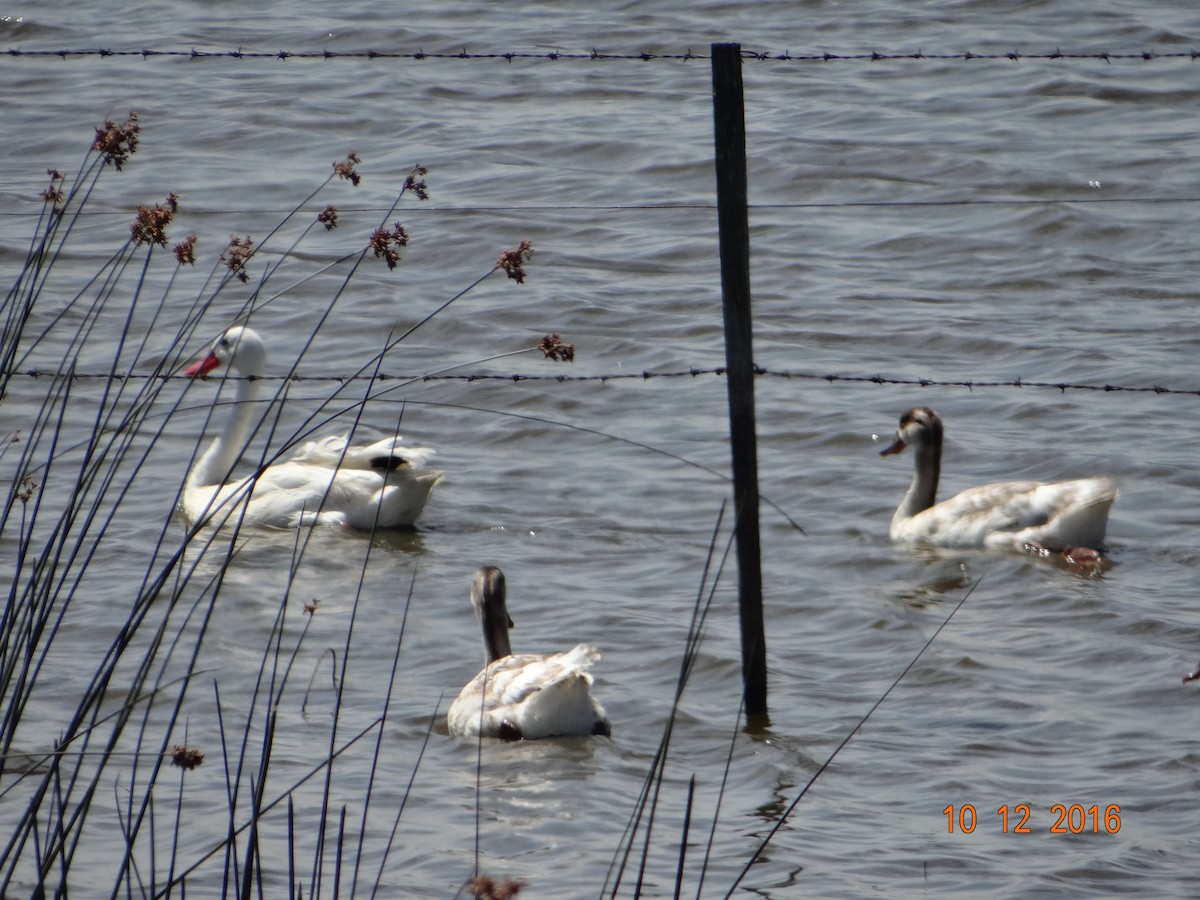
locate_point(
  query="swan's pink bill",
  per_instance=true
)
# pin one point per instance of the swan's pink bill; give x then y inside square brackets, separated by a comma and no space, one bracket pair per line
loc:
[203,366]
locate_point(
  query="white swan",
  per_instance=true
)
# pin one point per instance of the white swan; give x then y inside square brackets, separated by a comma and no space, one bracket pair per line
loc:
[1068,516]
[381,485]
[528,697]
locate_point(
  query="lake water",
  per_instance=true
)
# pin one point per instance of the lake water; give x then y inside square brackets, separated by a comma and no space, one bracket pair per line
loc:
[955,220]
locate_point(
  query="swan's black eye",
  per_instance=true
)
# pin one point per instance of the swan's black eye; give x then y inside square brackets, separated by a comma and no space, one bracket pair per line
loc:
[223,342]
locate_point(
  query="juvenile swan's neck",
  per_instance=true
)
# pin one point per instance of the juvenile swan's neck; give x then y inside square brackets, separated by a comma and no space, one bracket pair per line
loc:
[489,596]
[215,466]
[922,493]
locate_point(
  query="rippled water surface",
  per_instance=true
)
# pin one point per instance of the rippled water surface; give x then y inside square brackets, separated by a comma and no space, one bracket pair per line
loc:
[981,220]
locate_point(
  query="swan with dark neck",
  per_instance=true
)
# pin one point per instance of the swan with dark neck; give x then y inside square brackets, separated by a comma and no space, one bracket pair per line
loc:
[526,696]
[1055,516]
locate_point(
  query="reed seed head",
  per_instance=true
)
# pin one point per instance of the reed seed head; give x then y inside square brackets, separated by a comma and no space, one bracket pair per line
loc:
[344,168]
[328,217]
[53,194]
[557,349]
[310,607]
[187,758]
[237,254]
[420,188]
[27,487]
[513,261]
[484,888]
[117,142]
[388,243]
[150,225]
[185,250]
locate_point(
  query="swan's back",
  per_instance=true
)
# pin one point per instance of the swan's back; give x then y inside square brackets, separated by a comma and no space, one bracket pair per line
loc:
[1054,515]
[387,455]
[531,697]
[294,493]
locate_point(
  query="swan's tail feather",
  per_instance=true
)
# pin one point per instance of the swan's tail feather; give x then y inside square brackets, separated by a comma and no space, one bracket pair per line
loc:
[1084,521]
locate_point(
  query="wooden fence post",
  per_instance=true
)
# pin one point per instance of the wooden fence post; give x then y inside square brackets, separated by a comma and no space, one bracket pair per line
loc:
[729,122]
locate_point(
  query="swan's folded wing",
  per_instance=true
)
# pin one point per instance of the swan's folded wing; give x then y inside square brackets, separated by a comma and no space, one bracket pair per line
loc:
[531,697]
[965,519]
[300,481]
[1054,514]
[515,678]
[381,456]
[324,451]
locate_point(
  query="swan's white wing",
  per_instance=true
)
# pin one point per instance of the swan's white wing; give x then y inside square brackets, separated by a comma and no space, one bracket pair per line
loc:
[367,499]
[516,678]
[1056,515]
[1069,514]
[294,493]
[381,456]
[531,697]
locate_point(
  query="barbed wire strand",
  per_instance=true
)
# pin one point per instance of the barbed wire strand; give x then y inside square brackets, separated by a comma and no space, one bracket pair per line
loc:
[598,56]
[665,206]
[645,375]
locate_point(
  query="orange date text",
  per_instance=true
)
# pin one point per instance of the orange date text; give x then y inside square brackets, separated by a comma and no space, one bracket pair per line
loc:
[1064,818]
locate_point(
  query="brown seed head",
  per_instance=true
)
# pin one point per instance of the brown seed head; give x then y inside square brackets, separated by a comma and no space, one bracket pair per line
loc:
[28,486]
[557,349]
[237,254]
[185,250]
[420,188]
[513,261]
[117,142]
[151,223]
[311,606]
[345,168]
[484,888]
[387,243]
[53,194]
[186,757]
[328,217]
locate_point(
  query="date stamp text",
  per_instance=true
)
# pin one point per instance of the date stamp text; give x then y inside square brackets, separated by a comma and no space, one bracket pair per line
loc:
[1073,818]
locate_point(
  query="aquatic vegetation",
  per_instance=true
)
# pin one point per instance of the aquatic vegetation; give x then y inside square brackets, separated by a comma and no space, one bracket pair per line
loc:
[65,501]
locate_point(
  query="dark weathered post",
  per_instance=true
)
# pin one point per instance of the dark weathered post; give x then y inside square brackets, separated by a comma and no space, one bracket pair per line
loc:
[730,133]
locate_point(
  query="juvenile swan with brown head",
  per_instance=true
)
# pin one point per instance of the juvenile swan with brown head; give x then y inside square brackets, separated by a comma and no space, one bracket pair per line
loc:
[528,697]
[1058,516]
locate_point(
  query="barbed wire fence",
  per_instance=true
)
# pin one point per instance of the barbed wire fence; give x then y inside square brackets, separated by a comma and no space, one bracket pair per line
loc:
[644,375]
[599,56]
[15,54]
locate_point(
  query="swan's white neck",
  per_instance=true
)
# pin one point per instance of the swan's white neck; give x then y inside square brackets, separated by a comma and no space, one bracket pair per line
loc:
[215,466]
[922,493]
